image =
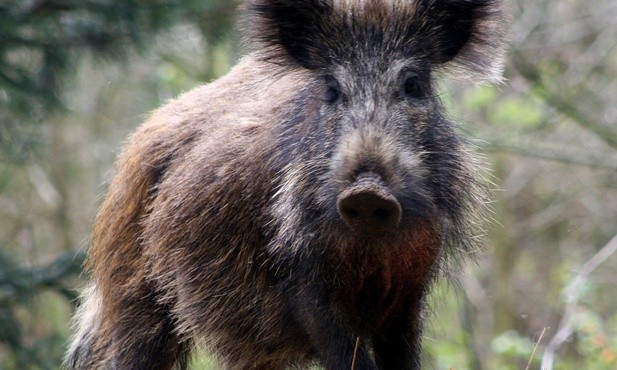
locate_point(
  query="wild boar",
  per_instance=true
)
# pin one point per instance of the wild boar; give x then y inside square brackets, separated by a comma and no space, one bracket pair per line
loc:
[297,210]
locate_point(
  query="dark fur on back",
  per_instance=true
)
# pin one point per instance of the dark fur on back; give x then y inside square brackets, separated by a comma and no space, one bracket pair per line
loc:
[222,224]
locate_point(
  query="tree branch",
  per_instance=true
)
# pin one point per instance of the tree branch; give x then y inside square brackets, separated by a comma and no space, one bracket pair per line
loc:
[547,155]
[572,292]
[561,104]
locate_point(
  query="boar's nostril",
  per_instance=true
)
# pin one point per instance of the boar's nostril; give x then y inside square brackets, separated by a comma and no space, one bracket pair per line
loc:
[369,208]
[350,213]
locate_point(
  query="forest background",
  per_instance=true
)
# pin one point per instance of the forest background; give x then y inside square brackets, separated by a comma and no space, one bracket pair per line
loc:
[76,77]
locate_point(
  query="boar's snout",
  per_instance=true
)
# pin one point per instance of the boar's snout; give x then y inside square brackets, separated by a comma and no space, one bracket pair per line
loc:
[368,207]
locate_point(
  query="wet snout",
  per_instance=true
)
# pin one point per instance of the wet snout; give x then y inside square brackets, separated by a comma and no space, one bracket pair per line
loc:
[367,206]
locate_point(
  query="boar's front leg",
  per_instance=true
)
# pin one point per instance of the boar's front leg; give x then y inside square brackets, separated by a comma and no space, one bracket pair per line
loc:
[397,345]
[329,331]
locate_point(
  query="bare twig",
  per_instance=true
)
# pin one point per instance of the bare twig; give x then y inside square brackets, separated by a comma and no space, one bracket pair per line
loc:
[572,292]
[355,353]
[535,348]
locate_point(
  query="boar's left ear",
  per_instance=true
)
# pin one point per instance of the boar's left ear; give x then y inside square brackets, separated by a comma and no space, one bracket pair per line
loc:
[464,36]
[291,28]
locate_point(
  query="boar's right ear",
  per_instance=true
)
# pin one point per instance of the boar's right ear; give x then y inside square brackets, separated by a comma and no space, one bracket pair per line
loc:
[464,36]
[291,28]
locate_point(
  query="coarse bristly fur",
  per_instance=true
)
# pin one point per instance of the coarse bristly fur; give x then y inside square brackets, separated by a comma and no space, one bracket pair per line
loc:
[223,224]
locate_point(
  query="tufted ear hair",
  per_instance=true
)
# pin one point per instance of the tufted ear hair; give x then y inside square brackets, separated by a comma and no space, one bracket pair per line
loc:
[462,36]
[292,28]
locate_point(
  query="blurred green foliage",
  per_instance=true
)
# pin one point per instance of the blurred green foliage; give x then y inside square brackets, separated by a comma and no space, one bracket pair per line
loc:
[44,40]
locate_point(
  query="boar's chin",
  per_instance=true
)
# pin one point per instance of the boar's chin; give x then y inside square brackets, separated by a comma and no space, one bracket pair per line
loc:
[414,249]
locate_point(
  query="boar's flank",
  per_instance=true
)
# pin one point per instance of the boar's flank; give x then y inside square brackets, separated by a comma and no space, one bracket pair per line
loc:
[306,199]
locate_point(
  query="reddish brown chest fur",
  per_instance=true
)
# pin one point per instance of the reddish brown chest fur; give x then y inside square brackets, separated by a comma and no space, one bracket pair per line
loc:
[383,283]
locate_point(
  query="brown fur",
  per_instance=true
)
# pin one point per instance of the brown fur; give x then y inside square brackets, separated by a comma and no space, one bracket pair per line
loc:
[220,225]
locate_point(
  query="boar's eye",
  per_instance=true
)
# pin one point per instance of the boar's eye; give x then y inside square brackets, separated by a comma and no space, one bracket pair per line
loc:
[332,95]
[333,91]
[413,86]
